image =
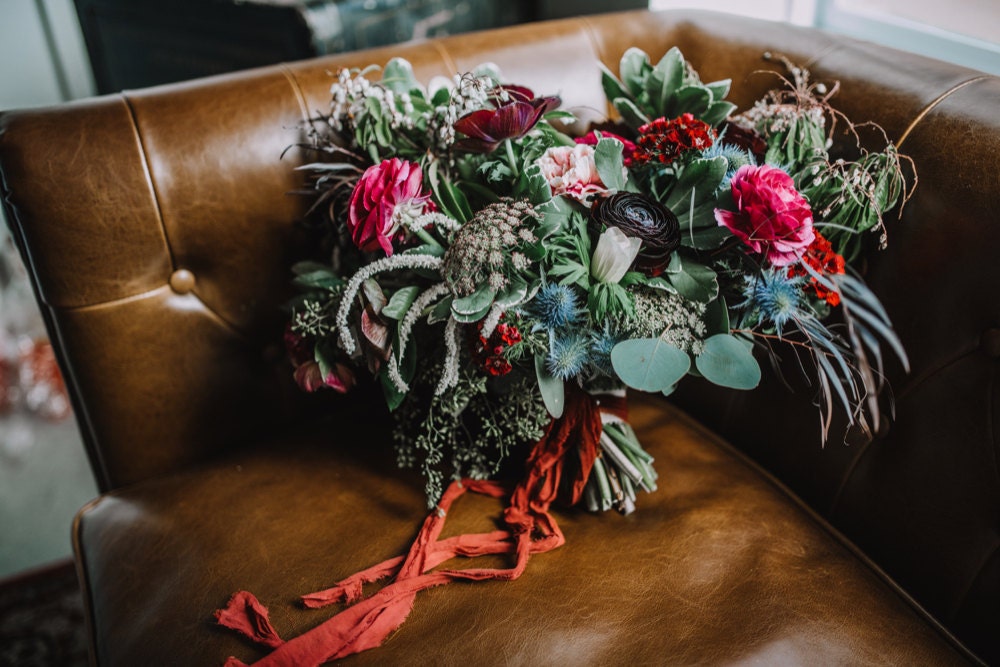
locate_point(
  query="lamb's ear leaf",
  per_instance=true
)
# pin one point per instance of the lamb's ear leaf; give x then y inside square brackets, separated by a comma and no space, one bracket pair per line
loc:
[608,159]
[634,68]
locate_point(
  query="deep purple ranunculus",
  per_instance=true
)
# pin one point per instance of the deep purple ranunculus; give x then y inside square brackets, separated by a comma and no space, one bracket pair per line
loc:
[517,111]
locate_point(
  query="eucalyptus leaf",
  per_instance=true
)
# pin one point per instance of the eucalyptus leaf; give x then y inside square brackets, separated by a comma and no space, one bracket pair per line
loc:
[727,362]
[649,364]
[552,388]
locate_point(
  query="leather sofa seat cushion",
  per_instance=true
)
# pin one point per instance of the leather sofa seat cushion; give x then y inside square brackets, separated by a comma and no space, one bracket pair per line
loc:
[719,566]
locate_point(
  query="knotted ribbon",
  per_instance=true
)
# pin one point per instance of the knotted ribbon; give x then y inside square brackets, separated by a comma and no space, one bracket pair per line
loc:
[530,529]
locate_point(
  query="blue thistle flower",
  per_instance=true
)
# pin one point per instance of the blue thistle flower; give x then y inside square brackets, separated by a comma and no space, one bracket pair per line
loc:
[556,306]
[568,356]
[735,156]
[601,344]
[773,296]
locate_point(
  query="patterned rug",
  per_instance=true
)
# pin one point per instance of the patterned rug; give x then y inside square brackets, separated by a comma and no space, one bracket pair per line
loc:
[41,619]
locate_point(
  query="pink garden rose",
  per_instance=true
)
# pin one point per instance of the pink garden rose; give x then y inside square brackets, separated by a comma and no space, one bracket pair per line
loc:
[386,193]
[571,171]
[772,218]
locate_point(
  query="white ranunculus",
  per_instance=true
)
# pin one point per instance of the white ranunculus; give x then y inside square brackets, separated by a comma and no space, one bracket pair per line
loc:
[613,256]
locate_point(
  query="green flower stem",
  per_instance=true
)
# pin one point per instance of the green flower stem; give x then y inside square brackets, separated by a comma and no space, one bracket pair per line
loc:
[618,457]
[614,480]
[590,495]
[511,159]
[603,485]
[634,452]
[427,238]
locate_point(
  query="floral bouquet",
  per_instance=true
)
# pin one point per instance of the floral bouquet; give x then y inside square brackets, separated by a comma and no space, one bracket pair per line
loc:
[505,284]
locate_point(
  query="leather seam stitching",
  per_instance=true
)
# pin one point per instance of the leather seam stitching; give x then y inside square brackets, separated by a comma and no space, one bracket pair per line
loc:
[938,100]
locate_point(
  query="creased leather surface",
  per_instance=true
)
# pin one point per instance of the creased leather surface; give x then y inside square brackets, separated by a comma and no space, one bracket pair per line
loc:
[109,198]
[717,567]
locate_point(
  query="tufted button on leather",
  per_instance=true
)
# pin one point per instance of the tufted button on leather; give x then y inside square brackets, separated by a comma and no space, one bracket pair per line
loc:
[990,342]
[182,281]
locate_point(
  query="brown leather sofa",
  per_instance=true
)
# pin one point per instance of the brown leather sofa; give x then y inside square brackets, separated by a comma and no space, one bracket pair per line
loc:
[159,236]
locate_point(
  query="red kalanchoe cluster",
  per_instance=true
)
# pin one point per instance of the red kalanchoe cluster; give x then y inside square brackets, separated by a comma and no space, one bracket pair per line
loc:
[665,140]
[489,351]
[821,257]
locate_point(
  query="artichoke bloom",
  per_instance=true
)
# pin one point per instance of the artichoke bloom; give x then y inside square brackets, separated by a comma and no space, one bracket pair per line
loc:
[613,256]
[517,111]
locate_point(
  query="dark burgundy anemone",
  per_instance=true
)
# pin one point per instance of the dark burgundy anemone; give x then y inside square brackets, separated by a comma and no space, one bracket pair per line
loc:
[517,111]
[642,218]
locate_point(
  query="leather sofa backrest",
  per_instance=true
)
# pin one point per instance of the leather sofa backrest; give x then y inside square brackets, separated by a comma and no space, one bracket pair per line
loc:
[158,233]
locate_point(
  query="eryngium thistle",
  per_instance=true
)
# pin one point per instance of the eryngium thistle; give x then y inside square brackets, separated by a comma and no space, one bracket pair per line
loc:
[773,297]
[568,356]
[556,306]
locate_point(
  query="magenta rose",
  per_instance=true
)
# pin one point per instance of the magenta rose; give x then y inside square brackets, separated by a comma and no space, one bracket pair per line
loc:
[387,193]
[771,217]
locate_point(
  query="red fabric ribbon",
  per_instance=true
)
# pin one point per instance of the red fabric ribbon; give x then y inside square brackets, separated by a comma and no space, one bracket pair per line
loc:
[530,529]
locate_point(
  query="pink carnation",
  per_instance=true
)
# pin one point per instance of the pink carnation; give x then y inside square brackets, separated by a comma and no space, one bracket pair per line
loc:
[571,171]
[772,218]
[386,193]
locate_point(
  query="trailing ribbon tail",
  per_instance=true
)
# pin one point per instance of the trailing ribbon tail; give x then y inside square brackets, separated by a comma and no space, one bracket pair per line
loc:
[531,529]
